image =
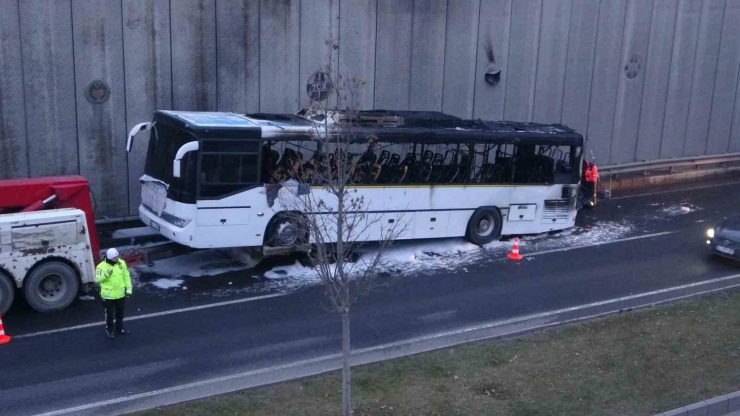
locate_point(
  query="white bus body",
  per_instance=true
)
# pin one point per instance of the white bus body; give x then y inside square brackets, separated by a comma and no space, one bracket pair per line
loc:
[241,219]
[428,212]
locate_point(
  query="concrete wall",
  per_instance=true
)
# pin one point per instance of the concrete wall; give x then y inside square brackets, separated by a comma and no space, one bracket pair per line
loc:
[642,79]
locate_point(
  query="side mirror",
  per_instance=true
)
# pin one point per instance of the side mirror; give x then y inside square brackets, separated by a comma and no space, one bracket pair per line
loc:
[137,128]
[181,152]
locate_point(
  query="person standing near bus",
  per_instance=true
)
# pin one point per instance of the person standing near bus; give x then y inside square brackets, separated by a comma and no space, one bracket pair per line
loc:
[115,287]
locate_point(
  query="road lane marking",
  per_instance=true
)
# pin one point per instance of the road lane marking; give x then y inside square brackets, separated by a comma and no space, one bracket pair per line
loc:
[238,301]
[621,240]
[673,191]
[156,314]
[438,316]
[396,345]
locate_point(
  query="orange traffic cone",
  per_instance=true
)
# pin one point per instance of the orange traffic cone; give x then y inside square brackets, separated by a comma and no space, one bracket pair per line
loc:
[514,255]
[4,339]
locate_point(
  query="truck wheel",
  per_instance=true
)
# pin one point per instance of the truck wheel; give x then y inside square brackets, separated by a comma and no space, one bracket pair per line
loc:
[484,226]
[51,287]
[7,293]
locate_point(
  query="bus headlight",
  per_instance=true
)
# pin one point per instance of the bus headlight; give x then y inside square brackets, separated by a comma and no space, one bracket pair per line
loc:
[176,221]
[710,233]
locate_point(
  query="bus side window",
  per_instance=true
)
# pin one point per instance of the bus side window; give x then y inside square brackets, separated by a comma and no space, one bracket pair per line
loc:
[532,165]
[228,166]
[566,164]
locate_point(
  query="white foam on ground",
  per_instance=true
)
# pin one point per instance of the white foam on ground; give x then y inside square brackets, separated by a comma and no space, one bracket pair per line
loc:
[167,283]
[294,271]
[679,209]
[601,232]
[407,252]
[402,258]
[407,257]
[197,264]
[441,254]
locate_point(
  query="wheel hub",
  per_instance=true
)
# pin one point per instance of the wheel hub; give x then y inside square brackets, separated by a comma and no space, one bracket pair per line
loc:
[485,226]
[287,234]
[51,286]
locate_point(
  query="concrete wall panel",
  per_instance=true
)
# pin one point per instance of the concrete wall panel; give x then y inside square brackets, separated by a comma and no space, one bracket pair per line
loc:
[657,72]
[642,79]
[279,52]
[194,74]
[238,51]
[49,82]
[494,24]
[13,146]
[357,34]
[98,48]
[580,63]
[460,57]
[393,54]
[605,80]
[631,80]
[705,71]
[551,60]
[428,52]
[526,16]
[734,145]
[723,101]
[148,70]
[319,23]
[681,78]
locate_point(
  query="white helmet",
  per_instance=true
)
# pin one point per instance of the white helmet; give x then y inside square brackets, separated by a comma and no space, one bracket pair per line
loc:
[111,254]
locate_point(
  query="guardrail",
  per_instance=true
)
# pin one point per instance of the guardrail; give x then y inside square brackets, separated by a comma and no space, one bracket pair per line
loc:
[612,170]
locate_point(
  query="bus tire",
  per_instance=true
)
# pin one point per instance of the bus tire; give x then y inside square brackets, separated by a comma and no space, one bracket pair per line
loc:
[286,231]
[484,226]
[51,287]
[7,293]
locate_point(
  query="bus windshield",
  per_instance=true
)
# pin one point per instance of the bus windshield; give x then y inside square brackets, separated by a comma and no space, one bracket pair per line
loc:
[164,142]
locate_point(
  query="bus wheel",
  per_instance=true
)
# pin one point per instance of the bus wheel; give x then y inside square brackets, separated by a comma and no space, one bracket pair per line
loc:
[286,231]
[484,226]
[7,292]
[51,287]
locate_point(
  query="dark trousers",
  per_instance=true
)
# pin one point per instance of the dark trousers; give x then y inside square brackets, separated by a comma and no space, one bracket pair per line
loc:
[114,308]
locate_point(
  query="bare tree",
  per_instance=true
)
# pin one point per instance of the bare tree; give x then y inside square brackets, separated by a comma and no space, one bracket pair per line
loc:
[333,216]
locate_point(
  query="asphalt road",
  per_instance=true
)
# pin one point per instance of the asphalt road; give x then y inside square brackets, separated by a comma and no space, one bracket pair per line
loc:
[657,243]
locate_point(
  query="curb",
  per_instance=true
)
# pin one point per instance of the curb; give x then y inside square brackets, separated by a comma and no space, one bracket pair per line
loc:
[718,406]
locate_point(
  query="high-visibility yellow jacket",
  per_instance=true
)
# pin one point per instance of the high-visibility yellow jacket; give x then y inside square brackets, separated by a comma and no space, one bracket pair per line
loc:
[114,280]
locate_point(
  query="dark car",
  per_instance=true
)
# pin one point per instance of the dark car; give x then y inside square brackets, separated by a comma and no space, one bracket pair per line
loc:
[724,239]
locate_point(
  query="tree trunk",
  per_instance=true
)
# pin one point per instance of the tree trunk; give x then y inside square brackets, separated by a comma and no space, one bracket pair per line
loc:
[346,368]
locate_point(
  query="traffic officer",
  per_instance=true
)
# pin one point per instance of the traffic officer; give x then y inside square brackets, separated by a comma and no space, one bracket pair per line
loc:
[115,286]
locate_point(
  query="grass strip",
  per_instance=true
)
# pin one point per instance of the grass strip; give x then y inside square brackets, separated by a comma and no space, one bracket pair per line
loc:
[640,363]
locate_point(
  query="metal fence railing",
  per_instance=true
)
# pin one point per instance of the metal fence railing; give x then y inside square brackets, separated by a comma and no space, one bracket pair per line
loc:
[612,170]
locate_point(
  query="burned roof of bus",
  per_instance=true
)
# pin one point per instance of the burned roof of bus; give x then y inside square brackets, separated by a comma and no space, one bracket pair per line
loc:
[390,125]
[431,127]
